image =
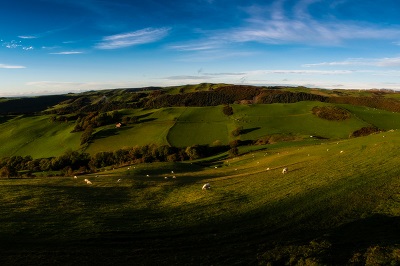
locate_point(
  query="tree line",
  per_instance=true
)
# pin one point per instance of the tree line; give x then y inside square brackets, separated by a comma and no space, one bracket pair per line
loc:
[74,162]
[230,95]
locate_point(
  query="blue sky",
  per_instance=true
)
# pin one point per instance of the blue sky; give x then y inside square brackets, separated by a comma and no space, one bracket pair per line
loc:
[59,46]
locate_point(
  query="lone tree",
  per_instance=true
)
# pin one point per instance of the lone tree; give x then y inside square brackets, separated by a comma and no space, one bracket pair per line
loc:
[233,152]
[227,110]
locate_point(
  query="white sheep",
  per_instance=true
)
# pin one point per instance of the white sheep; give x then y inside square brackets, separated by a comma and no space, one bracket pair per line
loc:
[75,177]
[119,180]
[174,177]
[166,177]
[285,170]
[172,172]
[147,175]
[206,186]
[86,180]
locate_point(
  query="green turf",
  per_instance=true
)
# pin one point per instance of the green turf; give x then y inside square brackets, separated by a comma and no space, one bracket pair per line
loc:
[186,126]
[37,136]
[334,191]
[200,125]
[296,119]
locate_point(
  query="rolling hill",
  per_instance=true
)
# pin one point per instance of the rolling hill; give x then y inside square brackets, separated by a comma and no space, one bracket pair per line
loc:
[51,130]
[339,203]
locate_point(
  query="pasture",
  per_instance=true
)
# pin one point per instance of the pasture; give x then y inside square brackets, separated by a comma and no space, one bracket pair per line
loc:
[338,199]
[36,136]
[185,126]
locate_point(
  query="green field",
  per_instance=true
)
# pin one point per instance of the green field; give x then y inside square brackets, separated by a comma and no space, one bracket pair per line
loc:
[186,126]
[36,136]
[337,200]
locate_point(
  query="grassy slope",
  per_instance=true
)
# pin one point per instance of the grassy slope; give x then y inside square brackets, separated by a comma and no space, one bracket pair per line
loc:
[185,126]
[36,136]
[350,199]
[295,119]
[200,125]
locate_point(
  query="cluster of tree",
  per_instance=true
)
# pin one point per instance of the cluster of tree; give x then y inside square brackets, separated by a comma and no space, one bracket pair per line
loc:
[72,162]
[222,95]
[278,96]
[364,131]
[231,94]
[96,119]
[387,104]
[101,103]
[331,113]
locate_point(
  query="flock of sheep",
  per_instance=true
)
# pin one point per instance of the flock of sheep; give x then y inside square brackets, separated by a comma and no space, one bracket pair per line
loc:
[206,186]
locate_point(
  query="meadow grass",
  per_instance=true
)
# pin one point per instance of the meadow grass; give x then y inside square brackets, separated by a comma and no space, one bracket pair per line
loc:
[296,119]
[185,126]
[200,125]
[250,209]
[37,136]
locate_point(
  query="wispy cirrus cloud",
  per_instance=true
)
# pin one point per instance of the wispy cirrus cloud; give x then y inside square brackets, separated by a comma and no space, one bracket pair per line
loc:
[197,46]
[67,53]
[123,40]
[276,24]
[11,66]
[378,62]
[28,37]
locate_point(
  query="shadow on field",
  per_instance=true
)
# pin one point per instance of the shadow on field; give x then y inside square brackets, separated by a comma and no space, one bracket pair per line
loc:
[6,118]
[147,120]
[359,235]
[106,133]
[248,130]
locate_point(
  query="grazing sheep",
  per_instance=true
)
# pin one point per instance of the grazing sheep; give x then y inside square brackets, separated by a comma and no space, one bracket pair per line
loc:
[88,182]
[174,177]
[75,177]
[268,169]
[206,186]
[341,151]
[285,170]
[166,177]
[119,180]
[147,175]
[172,172]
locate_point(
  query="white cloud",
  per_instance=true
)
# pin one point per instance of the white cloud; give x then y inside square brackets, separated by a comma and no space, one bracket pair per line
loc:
[378,62]
[197,46]
[68,53]
[274,25]
[11,66]
[27,37]
[147,35]
[12,45]
[300,72]
[188,77]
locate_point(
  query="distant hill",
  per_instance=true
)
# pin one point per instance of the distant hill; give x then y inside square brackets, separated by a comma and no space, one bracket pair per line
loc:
[181,116]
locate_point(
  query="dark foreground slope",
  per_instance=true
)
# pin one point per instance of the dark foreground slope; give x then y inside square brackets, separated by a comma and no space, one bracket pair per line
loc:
[337,205]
